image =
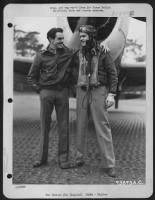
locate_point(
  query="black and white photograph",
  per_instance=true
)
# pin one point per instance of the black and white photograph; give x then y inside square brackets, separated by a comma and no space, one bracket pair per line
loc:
[78,101]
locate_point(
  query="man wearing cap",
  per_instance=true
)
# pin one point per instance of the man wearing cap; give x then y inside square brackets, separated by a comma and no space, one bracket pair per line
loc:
[96,87]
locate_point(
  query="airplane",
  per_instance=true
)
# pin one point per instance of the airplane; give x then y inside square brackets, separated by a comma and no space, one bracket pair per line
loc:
[113,31]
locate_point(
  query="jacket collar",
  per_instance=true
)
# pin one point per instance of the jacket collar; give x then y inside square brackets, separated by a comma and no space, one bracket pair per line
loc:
[51,49]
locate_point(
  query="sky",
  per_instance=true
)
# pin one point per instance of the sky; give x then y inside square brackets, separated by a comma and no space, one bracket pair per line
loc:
[137,29]
[40,24]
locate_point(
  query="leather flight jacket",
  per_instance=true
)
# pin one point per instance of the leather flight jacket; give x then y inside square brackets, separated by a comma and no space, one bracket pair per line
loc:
[102,72]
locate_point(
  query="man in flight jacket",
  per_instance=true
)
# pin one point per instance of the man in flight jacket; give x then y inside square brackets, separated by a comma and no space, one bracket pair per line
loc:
[96,77]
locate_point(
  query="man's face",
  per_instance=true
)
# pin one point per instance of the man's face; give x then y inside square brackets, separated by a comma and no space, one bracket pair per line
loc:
[59,40]
[84,37]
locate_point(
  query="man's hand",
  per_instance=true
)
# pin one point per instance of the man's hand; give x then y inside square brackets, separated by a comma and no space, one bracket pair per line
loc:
[36,87]
[110,100]
[104,48]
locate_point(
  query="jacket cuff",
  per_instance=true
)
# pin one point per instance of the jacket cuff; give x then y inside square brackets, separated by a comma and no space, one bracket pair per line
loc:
[111,94]
[36,87]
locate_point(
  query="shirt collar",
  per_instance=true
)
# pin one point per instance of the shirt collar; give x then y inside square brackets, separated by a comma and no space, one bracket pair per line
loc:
[51,49]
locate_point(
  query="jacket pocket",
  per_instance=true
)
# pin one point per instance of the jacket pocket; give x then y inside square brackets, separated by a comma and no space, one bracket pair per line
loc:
[46,74]
[103,90]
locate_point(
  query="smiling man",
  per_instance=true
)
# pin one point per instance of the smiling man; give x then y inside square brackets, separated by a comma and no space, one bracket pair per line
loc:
[96,87]
[50,75]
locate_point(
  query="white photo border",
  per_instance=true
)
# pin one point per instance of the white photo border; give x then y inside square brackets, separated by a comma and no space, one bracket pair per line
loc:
[40,191]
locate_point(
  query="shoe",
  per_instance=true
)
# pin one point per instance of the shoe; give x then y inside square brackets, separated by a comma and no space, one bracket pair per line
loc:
[79,163]
[65,165]
[79,159]
[39,164]
[111,172]
[68,165]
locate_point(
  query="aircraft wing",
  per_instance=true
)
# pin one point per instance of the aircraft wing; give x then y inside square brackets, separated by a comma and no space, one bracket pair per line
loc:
[140,18]
[22,65]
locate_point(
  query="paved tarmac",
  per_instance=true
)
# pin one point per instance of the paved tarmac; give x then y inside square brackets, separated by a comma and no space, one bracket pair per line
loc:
[128,131]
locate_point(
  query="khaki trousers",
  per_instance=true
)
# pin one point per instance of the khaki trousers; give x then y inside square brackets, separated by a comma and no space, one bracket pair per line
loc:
[60,100]
[100,118]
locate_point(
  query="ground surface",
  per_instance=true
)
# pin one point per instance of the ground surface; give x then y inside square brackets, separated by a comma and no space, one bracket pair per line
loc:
[128,131]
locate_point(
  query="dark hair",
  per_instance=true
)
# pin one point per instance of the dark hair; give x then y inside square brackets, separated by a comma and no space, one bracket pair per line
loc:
[52,32]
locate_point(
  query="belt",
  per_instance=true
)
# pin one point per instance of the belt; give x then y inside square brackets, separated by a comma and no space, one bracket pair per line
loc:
[55,87]
[91,87]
